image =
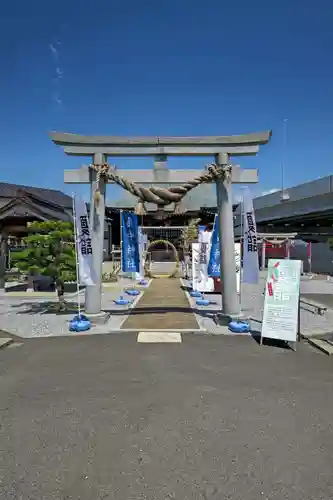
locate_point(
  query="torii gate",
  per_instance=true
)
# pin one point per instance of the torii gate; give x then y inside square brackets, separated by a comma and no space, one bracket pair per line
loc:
[223,173]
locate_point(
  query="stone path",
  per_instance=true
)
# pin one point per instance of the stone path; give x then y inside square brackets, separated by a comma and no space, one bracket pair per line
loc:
[163,306]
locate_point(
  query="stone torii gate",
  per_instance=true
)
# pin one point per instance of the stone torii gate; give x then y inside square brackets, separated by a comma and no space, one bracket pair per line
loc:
[221,172]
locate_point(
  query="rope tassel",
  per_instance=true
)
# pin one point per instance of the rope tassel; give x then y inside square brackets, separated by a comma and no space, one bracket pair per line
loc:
[179,208]
[140,208]
[97,196]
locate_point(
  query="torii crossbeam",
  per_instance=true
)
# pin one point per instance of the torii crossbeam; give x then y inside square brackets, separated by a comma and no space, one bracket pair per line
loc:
[219,147]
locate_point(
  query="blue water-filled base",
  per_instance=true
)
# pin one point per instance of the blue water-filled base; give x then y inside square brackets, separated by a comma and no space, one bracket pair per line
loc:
[132,292]
[195,294]
[239,327]
[203,302]
[143,282]
[79,323]
[122,301]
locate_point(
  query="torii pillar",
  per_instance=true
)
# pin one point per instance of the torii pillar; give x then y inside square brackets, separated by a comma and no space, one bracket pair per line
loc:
[99,148]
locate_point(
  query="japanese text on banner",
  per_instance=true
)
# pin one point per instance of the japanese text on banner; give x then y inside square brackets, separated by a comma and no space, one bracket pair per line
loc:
[130,243]
[87,274]
[84,239]
[250,243]
[214,256]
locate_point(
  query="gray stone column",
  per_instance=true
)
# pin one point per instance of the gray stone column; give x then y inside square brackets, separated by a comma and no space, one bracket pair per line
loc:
[161,170]
[230,301]
[97,217]
[263,255]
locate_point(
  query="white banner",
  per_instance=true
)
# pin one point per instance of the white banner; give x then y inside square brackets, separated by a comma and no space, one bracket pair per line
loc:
[238,265]
[250,243]
[87,275]
[201,282]
[142,251]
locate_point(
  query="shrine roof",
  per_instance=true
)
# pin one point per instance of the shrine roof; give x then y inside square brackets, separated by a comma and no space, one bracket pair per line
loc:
[52,196]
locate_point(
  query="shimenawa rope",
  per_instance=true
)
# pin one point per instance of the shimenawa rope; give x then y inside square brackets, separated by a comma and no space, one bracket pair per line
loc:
[158,195]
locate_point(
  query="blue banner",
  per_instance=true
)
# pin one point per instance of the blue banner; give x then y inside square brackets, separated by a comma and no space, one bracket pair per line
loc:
[214,257]
[130,243]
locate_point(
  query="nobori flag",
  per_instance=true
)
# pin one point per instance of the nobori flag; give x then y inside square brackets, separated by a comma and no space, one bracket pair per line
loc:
[250,243]
[130,243]
[84,249]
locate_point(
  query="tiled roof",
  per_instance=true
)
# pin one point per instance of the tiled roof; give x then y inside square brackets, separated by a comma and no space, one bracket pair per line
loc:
[49,195]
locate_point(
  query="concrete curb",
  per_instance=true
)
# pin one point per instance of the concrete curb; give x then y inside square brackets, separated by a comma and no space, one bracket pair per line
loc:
[5,342]
[189,299]
[322,345]
[32,294]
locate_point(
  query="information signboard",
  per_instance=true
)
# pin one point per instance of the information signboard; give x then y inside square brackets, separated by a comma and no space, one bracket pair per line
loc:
[281,307]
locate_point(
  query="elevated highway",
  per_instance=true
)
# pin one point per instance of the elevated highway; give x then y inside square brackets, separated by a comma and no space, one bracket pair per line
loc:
[306,209]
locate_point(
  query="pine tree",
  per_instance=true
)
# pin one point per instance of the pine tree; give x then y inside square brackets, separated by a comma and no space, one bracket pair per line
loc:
[50,252]
[188,236]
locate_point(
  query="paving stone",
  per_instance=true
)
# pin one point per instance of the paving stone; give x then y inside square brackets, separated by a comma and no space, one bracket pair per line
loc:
[159,337]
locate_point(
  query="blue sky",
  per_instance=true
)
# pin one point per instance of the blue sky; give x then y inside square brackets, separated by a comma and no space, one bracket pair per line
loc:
[171,67]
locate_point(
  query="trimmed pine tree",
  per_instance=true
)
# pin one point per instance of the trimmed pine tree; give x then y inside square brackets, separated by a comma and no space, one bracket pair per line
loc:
[50,252]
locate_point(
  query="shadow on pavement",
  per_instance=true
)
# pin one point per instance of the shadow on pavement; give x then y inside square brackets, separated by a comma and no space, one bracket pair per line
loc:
[280,344]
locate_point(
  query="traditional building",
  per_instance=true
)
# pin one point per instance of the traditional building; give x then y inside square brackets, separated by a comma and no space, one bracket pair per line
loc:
[20,205]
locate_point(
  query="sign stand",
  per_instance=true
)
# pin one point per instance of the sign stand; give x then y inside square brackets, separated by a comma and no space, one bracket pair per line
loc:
[298,328]
[281,320]
[298,339]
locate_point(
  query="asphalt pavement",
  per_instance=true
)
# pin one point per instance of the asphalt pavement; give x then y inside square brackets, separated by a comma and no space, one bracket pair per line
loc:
[103,417]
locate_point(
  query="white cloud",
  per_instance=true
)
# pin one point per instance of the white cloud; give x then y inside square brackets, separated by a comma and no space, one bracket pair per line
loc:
[237,197]
[270,191]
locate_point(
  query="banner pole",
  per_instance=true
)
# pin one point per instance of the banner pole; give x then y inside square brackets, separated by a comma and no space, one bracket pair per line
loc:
[241,253]
[76,258]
